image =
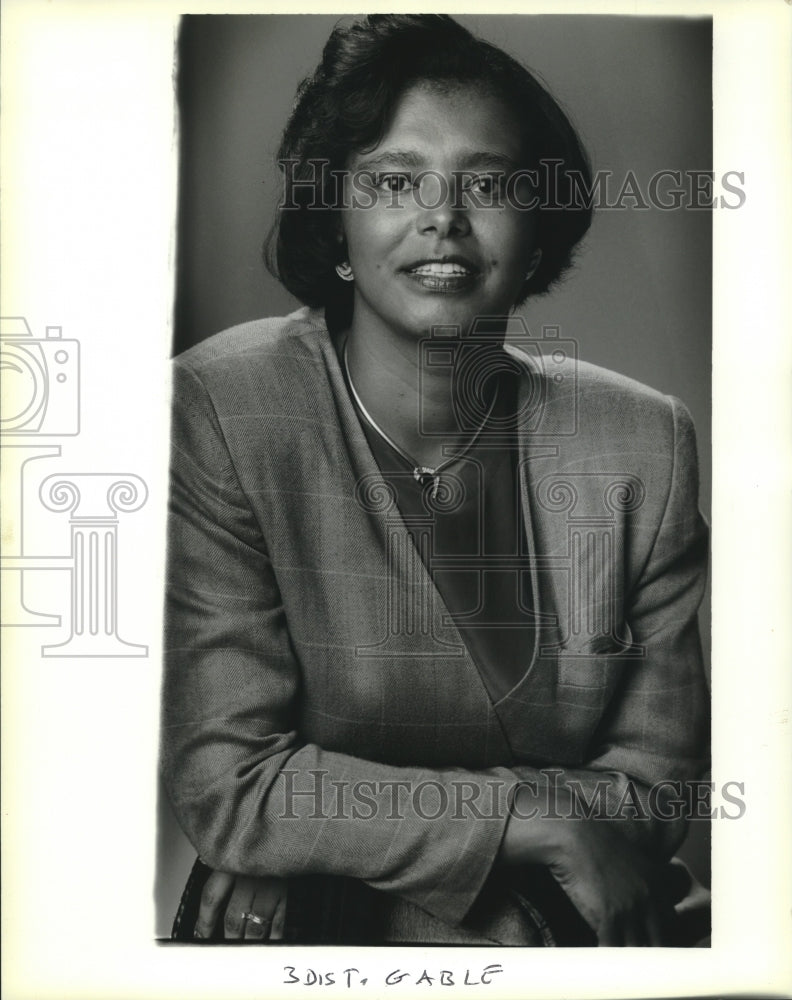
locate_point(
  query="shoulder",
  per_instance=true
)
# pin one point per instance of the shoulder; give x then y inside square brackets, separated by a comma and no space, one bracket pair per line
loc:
[258,343]
[258,365]
[618,446]
[581,400]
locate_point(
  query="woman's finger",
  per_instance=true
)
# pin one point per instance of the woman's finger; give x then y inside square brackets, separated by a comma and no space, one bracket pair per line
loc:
[278,929]
[257,926]
[262,909]
[656,928]
[216,891]
[239,905]
[633,930]
[608,935]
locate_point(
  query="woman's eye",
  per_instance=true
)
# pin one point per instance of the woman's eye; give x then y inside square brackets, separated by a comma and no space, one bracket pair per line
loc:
[393,182]
[486,184]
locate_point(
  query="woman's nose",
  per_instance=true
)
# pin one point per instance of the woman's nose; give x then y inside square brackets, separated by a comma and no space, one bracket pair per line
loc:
[441,212]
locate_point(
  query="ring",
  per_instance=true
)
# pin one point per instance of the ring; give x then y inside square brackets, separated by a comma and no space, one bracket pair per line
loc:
[255,918]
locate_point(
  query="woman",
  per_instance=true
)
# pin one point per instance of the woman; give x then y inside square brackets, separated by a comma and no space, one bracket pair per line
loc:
[433,666]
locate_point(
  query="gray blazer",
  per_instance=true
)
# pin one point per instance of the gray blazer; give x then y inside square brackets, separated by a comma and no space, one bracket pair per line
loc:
[311,665]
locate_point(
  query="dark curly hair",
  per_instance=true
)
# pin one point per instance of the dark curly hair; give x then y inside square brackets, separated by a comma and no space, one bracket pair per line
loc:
[346,107]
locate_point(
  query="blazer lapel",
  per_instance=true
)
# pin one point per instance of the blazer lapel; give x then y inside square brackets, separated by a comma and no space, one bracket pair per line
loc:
[426,627]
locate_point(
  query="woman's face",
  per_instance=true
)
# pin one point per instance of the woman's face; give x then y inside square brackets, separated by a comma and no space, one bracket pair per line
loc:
[438,236]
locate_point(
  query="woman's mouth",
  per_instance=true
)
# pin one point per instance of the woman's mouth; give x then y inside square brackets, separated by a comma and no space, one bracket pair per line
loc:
[442,275]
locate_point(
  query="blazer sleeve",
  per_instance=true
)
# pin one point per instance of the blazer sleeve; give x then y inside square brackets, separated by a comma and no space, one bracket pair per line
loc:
[250,795]
[654,736]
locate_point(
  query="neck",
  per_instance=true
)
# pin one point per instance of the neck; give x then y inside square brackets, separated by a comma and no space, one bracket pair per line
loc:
[411,401]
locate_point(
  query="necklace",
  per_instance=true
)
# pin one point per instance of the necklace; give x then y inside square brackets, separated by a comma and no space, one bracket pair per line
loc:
[421,473]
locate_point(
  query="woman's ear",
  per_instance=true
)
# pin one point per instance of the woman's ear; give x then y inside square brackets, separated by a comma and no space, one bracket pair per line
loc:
[533,262]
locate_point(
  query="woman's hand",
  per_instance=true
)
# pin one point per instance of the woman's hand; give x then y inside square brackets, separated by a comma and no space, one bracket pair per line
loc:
[612,884]
[251,909]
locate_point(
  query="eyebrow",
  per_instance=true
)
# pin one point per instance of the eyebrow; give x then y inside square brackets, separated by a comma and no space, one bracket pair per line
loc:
[407,159]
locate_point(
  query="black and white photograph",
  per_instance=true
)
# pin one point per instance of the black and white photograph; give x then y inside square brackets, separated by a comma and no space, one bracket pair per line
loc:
[392,539]
[434,579]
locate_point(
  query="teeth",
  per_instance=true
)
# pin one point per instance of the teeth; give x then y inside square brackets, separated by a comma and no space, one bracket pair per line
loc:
[439,268]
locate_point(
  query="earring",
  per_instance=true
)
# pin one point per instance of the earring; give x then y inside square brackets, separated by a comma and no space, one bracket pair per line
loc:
[344,271]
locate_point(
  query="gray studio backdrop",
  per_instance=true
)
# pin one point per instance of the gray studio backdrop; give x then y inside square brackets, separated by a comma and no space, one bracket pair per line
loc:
[639,300]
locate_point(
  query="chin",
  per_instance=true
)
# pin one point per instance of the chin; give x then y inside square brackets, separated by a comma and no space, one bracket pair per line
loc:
[445,310]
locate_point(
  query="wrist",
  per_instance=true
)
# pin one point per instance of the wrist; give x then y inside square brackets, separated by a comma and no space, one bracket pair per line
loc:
[538,830]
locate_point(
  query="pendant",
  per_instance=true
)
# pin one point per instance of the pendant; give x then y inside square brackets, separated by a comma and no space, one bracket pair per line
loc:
[423,470]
